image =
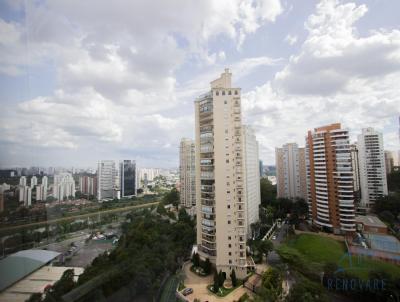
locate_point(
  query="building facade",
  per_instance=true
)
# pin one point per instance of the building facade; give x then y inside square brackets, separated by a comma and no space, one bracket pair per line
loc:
[291,172]
[371,158]
[187,174]
[330,179]
[88,185]
[389,161]
[128,178]
[220,183]
[64,186]
[107,177]
[252,177]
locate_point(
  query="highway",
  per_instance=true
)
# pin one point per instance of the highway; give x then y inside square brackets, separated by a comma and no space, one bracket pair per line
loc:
[81,216]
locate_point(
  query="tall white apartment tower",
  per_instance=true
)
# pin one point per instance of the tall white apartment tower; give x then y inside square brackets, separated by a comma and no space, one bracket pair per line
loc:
[22,181]
[291,171]
[106,179]
[187,173]
[33,181]
[220,177]
[252,176]
[371,158]
[44,187]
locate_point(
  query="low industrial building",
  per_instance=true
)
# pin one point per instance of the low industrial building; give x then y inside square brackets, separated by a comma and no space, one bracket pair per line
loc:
[370,224]
[27,272]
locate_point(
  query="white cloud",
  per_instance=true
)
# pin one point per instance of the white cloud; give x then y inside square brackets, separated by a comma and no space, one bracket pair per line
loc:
[291,40]
[338,76]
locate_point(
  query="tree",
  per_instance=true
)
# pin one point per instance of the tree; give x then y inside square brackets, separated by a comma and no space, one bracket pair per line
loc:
[306,290]
[35,297]
[196,259]
[233,278]
[393,181]
[221,278]
[207,266]
[265,246]
[216,282]
[161,210]
[387,216]
[61,287]
[268,192]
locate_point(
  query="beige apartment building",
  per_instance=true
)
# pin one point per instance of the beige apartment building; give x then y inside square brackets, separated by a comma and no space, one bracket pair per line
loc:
[187,175]
[220,177]
[291,171]
[330,179]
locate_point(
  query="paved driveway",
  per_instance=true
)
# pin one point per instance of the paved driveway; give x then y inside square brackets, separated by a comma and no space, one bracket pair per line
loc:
[200,291]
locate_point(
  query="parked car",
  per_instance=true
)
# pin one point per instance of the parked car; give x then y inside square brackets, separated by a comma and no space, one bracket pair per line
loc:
[187,291]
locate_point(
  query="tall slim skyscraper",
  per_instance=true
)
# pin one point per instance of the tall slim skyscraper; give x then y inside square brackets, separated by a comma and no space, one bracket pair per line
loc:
[33,181]
[371,159]
[389,161]
[220,177]
[106,179]
[128,178]
[44,187]
[330,179]
[252,176]
[22,181]
[88,185]
[291,171]
[187,174]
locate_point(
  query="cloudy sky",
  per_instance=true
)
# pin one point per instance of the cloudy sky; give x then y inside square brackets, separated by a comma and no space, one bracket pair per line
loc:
[87,80]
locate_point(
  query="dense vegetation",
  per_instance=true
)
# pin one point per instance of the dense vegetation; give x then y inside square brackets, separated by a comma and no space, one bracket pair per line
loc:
[149,250]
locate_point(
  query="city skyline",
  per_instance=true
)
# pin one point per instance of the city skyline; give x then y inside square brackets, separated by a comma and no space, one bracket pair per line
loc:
[296,73]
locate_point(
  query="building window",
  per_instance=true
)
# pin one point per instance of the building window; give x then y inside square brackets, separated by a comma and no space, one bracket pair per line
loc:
[229,222]
[230,92]
[229,245]
[229,206]
[230,261]
[236,92]
[225,102]
[223,92]
[229,237]
[230,253]
[217,92]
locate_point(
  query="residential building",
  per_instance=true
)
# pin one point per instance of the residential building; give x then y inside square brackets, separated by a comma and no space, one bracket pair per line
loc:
[44,187]
[22,181]
[88,185]
[128,178]
[356,174]
[220,184]
[64,186]
[252,177]
[34,181]
[107,177]
[389,161]
[187,175]
[291,171]
[371,159]
[330,179]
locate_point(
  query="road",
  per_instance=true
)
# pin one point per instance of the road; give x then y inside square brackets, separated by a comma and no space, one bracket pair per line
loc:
[41,223]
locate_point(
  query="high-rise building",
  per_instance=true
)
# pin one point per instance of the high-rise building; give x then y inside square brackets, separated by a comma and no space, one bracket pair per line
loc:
[220,183]
[88,185]
[64,186]
[371,158]
[44,187]
[33,181]
[330,179]
[261,168]
[291,171]
[356,174]
[128,178]
[39,192]
[389,161]
[22,181]
[148,174]
[106,180]
[252,176]
[187,174]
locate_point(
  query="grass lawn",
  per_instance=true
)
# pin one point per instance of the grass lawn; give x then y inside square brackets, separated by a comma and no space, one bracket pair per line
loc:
[222,290]
[316,250]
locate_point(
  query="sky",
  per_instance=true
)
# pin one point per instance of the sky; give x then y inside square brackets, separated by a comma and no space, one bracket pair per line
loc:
[82,81]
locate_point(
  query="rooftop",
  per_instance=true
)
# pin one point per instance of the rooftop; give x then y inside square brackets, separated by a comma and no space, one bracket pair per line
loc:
[370,220]
[16,266]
